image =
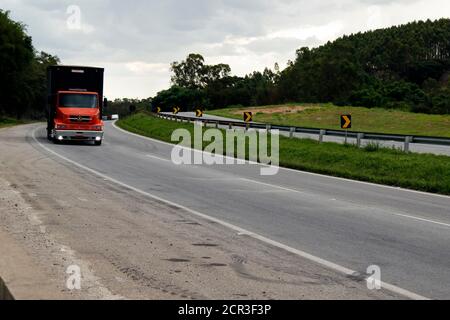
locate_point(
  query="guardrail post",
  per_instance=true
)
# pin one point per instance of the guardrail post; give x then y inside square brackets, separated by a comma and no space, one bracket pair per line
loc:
[359,137]
[268,128]
[408,140]
[217,125]
[247,127]
[321,134]
[291,133]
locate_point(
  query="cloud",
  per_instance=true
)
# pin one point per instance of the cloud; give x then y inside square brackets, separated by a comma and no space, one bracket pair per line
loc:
[142,68]
[136,41]
[321,32]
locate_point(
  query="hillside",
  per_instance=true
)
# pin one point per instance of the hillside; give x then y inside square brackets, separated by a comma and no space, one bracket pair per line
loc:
[403,67]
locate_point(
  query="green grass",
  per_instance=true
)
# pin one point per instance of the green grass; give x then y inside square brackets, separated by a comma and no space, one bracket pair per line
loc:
[423,172]
[9,122]
[327,116]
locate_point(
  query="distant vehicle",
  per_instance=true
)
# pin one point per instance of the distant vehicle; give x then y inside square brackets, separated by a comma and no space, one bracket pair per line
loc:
[75,104]
[111,117]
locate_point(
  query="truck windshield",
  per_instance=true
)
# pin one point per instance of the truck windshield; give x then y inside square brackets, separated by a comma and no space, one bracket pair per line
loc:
[73,100]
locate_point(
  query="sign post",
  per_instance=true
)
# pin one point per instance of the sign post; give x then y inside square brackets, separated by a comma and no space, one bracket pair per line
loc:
[176,110]
[199,113]
[346,123]
[248,117]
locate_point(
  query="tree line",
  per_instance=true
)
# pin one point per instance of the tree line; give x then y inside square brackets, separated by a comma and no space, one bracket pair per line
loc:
[22,71]
[125,106]
[404,67]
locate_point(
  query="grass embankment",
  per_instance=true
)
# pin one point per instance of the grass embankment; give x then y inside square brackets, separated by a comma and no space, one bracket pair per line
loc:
[327,116]
[424,172]
[8,122]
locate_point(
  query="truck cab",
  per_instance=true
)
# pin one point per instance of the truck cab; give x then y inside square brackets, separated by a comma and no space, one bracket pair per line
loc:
[75,105]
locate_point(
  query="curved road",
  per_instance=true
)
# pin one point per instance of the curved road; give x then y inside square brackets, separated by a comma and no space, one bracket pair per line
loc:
[348,224]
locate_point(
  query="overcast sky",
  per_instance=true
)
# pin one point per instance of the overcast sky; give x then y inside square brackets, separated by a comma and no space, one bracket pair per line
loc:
[136,40]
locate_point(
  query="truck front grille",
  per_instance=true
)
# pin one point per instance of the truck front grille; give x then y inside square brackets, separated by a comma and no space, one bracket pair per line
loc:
[79,119]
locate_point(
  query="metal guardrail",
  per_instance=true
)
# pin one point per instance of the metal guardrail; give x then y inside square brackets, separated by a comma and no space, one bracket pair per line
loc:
[406,139]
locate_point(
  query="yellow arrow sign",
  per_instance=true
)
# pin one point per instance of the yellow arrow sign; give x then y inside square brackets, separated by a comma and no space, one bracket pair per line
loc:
[176,110]
[248,117]
[199,113]
[346,122]
[158,110]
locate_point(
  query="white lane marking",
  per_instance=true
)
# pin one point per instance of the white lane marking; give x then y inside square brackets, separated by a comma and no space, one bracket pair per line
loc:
[211,179]
[157,158]
[239,230]
[422,219]
[305,172]
[272,185]
[189,149]
[392,213]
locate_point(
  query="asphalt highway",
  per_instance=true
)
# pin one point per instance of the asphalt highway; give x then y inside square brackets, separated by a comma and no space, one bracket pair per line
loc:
[343,224]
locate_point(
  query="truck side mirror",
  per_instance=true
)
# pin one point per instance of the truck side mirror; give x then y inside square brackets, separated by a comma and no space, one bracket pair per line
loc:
[105,104]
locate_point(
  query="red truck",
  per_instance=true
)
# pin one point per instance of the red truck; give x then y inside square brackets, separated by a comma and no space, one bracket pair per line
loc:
[75,104]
